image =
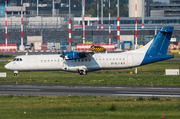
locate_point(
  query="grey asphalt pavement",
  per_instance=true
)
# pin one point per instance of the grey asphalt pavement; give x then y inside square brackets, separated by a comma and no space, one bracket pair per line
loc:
[88,90]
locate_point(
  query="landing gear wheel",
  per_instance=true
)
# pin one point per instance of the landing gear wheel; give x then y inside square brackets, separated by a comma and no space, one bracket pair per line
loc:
[84,72]
[15,74]
[81,72]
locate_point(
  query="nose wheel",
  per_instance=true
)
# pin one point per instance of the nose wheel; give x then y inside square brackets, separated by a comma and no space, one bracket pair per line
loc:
[15,73]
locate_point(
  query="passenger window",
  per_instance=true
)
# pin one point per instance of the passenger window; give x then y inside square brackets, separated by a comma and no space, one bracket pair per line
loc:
[107,59]
[120,59]
[78,60]
[41,60]
[54,60]
[116,58]
[20,59]
[17,59]
[123,58]
[44,60]
[85,60]
[14,59]
[75,60]
[58,60]
[113,58]
[110,59]
[89,59]
[82,60]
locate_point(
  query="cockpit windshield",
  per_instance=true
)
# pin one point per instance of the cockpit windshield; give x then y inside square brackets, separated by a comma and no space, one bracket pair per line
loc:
[17,59]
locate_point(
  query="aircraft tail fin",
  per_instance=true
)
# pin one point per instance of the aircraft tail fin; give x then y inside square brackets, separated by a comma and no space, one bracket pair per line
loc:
[157,50]
[160,44]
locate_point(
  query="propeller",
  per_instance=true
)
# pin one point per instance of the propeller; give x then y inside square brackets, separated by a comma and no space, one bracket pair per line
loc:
[62,55]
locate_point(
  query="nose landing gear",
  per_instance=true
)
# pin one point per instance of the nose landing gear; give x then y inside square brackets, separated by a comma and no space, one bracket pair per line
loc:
[15,73]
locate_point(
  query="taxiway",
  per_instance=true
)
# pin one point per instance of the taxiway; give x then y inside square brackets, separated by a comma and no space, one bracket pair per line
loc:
[88,90]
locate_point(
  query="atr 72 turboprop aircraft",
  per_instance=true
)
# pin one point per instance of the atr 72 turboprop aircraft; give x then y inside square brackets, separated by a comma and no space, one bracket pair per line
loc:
[83,62]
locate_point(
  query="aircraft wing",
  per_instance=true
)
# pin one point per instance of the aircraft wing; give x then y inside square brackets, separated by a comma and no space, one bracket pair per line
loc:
[76,55]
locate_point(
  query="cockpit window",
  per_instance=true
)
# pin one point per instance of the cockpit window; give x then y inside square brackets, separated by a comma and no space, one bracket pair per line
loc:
[17,59]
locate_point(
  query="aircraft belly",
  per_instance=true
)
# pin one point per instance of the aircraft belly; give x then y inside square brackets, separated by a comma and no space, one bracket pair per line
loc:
[91,66]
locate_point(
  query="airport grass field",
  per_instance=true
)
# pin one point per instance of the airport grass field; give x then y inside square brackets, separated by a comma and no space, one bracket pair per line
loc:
[88,107]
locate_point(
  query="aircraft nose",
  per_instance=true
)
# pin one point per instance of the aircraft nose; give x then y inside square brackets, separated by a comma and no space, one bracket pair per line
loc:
[7,66]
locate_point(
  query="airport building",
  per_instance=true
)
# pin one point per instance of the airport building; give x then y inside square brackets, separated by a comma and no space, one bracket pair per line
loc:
[54,28]
[166,10]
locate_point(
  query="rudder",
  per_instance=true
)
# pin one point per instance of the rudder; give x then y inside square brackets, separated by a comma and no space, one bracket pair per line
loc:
[161,42]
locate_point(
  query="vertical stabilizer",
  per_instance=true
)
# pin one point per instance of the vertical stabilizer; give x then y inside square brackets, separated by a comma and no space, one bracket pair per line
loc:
[161,42]
[158,48]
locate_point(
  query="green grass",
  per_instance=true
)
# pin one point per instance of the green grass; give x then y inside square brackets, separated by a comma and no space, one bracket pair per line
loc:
[147,75]
[176,56]
[6,57]
[80,107]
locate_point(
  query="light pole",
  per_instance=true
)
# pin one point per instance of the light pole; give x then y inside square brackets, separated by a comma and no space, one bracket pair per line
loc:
[69,25]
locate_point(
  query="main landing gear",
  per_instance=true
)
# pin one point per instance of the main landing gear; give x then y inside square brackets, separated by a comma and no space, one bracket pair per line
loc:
[82,72]
[15,73]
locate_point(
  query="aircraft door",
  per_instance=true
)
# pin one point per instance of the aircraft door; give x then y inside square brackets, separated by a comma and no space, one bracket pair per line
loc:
[130,59]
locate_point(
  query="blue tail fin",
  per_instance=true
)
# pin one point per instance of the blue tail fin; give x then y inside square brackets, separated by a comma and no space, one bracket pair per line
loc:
[161,42]
[158,49]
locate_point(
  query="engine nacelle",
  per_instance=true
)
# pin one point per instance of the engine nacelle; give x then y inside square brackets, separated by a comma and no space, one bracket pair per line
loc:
[74,55]
[71,56]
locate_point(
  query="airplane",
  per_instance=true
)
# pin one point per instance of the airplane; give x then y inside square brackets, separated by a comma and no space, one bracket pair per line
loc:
[83,62]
